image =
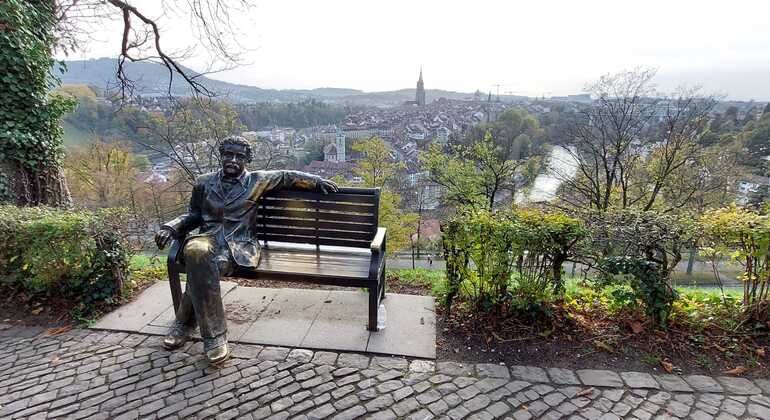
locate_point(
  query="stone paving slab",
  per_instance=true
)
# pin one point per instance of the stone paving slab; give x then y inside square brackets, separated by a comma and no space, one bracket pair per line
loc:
[151,303]
[166,318]
[86,374]
[287,318]
[341,324]
[243,306]
[411,327]
[316,319]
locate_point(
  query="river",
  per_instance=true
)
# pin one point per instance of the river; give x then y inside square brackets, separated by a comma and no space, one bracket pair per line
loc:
[562,165]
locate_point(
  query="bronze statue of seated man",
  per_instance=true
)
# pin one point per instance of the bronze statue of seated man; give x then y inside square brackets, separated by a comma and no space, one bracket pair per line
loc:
[223,207]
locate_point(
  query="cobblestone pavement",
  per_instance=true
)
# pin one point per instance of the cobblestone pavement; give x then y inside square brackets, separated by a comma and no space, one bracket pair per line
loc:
[96,374]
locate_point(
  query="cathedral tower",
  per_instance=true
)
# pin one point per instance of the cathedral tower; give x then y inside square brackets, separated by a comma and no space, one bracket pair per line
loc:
[420,95]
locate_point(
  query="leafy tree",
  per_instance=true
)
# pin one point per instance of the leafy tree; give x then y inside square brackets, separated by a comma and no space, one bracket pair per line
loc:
[743,236]
[377,169]
[108,174]
[515,133]
[86,114]
[474,174]
[631,142]
[102,174]
[189,136]
[758,139]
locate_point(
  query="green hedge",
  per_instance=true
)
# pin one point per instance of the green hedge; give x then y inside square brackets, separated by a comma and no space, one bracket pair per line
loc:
[79,255]
[507,259]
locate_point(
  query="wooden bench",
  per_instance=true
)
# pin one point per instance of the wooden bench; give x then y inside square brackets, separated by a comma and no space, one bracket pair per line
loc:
[311,237]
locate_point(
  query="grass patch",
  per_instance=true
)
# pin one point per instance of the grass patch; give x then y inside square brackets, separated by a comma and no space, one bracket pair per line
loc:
[143,270]
[424,280]
[145,261]
[417,276]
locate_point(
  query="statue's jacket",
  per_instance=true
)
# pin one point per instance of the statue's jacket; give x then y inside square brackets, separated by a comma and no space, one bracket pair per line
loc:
[230,217]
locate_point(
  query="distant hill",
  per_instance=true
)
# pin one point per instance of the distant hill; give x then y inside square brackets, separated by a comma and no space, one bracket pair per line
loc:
[152,79]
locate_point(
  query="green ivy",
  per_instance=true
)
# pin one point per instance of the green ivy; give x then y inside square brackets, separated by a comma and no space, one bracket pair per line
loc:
[647,280]
[30,129]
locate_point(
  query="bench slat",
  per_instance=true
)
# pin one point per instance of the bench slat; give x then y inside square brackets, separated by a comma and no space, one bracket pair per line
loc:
[312,240]
[312,264]
[312,233]
[321,215]
[300,204]
[342,197]
[320,224]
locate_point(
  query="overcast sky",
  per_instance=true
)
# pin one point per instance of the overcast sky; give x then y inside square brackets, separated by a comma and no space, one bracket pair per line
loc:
[542,47]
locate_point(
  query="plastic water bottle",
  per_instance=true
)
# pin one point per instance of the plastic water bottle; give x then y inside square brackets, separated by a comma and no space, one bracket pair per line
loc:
[381,317]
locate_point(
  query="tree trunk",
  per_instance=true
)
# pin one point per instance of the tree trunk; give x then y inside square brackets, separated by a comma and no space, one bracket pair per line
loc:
[558,281]
[691,261]
[44,186]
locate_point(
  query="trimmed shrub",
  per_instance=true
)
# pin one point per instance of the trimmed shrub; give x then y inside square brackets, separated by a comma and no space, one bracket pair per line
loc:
[638,249]
[743,236]
[79,255]
[507,258]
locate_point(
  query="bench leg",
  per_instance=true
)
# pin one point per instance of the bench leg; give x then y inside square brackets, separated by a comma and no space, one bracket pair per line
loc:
[373,306]
[382,284]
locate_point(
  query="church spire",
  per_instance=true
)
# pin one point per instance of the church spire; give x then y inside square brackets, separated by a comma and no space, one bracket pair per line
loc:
[420,93]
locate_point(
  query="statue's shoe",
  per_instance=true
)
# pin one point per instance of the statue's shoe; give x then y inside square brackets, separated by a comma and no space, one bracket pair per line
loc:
[177,336]
[218,354]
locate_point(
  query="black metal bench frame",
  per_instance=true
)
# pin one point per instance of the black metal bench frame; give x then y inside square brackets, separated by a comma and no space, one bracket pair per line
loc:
[347,218]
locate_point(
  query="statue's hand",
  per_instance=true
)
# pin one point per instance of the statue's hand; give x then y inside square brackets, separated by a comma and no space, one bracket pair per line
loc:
[162,238]
[327,186]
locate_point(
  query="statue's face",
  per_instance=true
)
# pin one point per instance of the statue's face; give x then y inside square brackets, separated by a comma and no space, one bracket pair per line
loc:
[233,160]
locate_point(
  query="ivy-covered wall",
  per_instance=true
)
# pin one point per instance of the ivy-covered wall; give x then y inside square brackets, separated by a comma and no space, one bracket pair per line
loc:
[30,117]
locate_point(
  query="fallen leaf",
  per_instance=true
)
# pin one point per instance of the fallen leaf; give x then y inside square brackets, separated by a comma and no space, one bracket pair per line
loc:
[55,359]
[36,311]
[585,392]
[739,370]
[760,352]
[58,330]
[668,367]
[636,327]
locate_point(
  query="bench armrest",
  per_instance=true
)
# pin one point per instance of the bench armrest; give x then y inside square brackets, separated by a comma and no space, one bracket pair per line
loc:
[173,251]
[378,243]
[173,268]
[378,255]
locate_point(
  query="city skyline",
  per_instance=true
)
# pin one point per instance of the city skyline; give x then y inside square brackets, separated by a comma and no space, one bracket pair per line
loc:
[532,49]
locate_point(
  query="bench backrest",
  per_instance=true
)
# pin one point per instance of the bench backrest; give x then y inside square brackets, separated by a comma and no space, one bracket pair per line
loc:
[345,218]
